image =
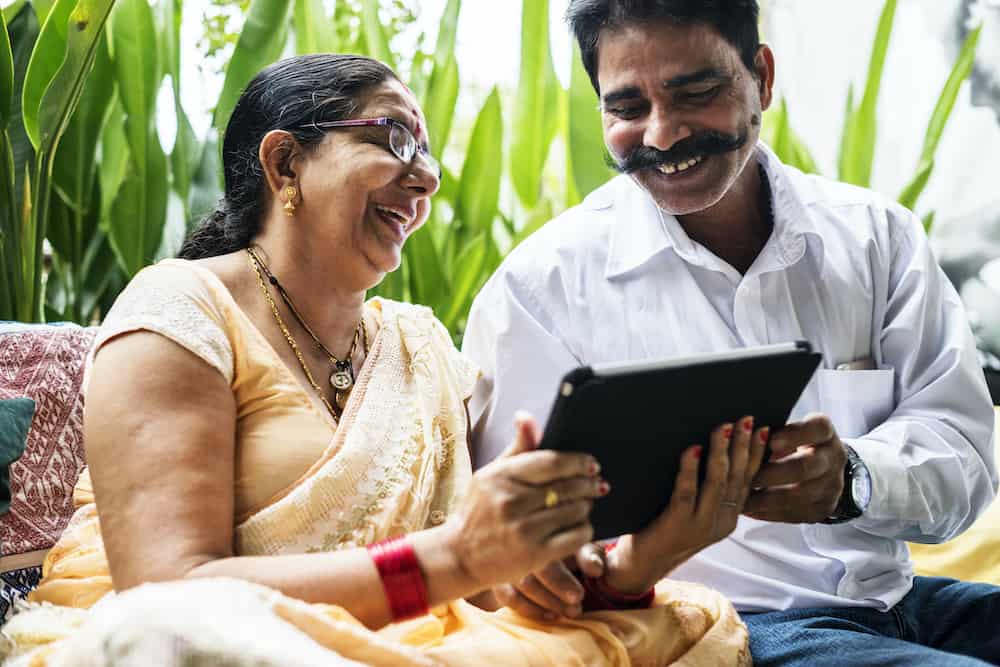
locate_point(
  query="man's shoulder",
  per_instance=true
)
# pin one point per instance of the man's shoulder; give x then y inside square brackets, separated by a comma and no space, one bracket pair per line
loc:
[580,233]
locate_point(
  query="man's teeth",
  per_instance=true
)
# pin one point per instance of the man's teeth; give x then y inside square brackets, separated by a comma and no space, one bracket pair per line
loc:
[672,168]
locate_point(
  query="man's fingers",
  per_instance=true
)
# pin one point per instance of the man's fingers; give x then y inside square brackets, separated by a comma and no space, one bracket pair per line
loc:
[560,582]
[806,464]
[808,503]
[813,430]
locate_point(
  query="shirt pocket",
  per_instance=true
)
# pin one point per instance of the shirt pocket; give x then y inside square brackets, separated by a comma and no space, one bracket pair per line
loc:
[855,401]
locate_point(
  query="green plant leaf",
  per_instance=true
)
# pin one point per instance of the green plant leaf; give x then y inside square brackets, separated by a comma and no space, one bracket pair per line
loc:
[447,30]
[137,214]
[929,222]
[440,106]
[314,30]
[428,283]
[538,92]
[114,155]
[479,184]
[12,10]
[939,119]
[260,44]
[6,76]
[845,133]
[472,271]
[785,142]
[376,38]
[586,144]
[23,29]
[46,58]
[860,146]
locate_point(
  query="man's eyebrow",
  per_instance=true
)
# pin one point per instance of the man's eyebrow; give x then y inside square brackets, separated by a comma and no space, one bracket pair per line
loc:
[627,93]
[694,77]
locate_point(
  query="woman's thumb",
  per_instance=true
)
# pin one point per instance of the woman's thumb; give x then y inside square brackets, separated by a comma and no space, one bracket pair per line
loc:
[526,435]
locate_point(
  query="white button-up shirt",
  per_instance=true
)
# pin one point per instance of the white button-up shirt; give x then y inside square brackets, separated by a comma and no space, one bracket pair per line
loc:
[615,279]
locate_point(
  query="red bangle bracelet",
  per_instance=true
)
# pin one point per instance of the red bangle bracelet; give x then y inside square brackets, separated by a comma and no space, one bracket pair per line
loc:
[397,565]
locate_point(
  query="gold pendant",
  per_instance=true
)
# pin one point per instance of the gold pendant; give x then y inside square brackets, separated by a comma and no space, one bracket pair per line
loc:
[342,377]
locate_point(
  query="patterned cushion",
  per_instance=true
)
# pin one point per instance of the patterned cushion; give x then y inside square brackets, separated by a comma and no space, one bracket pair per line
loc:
[15,585]
[44,363]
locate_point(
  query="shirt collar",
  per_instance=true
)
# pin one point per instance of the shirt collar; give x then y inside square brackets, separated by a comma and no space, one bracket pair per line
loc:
[640,231]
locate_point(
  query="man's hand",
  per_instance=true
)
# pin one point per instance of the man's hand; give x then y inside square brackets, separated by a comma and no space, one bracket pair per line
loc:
[804,478]
[554,590]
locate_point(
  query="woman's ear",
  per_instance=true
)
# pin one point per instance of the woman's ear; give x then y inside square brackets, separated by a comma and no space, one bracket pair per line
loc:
[278,154]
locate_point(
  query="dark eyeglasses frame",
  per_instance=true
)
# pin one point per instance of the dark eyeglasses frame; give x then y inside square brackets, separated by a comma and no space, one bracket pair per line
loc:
[385,121]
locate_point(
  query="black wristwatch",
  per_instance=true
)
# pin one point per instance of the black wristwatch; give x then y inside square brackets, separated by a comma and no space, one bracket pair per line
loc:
[857,493]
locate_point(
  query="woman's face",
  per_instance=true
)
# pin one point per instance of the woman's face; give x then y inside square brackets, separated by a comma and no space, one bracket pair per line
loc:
[359,202]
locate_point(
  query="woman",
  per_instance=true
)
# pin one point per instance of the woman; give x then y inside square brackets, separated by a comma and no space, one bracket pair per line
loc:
[272,444]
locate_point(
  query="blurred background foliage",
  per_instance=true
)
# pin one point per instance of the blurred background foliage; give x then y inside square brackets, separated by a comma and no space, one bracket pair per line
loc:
[82,165]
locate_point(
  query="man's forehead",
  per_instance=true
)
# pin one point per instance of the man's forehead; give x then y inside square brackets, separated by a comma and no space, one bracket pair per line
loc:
[635,54]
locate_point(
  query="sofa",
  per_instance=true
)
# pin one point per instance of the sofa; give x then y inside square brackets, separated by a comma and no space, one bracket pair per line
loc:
[46,362]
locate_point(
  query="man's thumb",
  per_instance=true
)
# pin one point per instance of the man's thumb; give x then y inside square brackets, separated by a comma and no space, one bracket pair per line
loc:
[526,435]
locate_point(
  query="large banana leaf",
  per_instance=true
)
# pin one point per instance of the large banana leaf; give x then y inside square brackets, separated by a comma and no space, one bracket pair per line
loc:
[428,283]
[138,212]
[6,76]
[586,144]
[376,39]
[186,152]
[535,122]
[62,89]
[260,44]
[314,30]
[114,156]
[439,107]
[479,185]
[778,133]
[942,111]
[862,129]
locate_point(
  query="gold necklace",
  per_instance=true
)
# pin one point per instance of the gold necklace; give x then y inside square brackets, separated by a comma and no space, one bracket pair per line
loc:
[334,408]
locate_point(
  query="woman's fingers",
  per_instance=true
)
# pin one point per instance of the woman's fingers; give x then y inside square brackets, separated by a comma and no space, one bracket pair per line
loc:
[758,446]
[535,589]
[713,490]
[526,435]
[546,466]
[509,596]
[684,498]
[739,459]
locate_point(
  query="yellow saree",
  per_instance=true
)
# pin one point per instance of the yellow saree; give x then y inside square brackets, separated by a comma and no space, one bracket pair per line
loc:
[397,463]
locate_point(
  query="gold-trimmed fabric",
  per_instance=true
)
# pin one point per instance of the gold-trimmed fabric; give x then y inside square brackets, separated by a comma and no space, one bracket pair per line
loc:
[398,462]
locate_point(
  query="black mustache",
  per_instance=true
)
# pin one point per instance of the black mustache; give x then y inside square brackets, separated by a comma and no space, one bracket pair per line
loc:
[704,144]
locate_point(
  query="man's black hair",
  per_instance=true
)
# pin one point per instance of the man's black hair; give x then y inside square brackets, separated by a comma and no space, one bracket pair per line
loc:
[735,20]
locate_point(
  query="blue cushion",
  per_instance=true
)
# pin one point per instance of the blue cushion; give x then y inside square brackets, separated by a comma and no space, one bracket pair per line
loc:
[15,420]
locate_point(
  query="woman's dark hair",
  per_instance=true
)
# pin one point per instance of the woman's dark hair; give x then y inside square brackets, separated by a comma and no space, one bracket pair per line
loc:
[292,95]
[735,20]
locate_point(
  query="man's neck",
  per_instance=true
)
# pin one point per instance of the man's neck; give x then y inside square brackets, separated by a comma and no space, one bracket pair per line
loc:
[737,227]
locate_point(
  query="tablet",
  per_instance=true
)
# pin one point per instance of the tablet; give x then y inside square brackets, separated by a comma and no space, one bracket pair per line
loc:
[637,418]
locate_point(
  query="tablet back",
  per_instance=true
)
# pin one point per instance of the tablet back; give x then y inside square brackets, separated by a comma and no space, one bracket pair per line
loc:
[637,424]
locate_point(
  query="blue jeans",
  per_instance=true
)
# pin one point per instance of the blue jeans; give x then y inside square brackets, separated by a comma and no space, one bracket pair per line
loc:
[940,622]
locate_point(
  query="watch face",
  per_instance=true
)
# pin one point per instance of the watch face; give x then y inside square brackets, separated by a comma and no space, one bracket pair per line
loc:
[861,487]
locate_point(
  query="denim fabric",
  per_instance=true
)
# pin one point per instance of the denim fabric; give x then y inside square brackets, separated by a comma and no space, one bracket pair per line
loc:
[940,622]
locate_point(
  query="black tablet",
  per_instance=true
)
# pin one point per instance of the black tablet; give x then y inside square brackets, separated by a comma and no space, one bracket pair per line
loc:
[638,418]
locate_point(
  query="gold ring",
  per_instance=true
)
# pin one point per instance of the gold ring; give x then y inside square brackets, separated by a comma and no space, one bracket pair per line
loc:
[551,498]
[729,503]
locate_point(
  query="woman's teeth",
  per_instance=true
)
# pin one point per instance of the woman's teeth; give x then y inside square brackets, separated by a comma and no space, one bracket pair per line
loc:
[393,215]
[672,168]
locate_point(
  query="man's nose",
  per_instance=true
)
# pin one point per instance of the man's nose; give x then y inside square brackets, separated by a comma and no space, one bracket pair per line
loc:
[662,132]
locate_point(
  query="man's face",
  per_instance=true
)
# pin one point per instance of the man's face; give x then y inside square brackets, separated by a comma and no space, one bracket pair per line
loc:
[681,112]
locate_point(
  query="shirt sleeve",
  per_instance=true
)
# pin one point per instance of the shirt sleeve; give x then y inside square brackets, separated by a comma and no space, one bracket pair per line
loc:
[932,461]
[521,356]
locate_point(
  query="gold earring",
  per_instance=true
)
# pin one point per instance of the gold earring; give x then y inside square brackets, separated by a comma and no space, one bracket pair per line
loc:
[290,193]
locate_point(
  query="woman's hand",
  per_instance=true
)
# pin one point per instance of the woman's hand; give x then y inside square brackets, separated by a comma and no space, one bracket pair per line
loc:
[695,518]
[525,510]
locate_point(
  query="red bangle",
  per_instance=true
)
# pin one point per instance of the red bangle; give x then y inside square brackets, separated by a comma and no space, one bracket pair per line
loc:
[397,565]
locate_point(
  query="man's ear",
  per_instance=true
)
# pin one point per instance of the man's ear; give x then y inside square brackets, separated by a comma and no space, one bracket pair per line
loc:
[278,155]
[763,69]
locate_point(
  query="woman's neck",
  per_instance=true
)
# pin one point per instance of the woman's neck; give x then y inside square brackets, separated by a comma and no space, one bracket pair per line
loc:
[329,308]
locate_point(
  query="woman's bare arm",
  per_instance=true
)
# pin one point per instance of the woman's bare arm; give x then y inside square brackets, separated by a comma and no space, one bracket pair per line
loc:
[160,434]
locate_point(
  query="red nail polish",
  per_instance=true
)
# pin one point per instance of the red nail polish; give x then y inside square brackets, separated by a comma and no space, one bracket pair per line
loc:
[748,424]
[727,432]
[765,433]
[603,488]
[697,452]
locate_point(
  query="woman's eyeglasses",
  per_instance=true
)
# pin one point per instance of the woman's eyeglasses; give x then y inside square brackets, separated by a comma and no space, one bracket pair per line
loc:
[402,143]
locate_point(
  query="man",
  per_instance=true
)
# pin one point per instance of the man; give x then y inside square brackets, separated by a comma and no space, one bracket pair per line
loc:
[707,242]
